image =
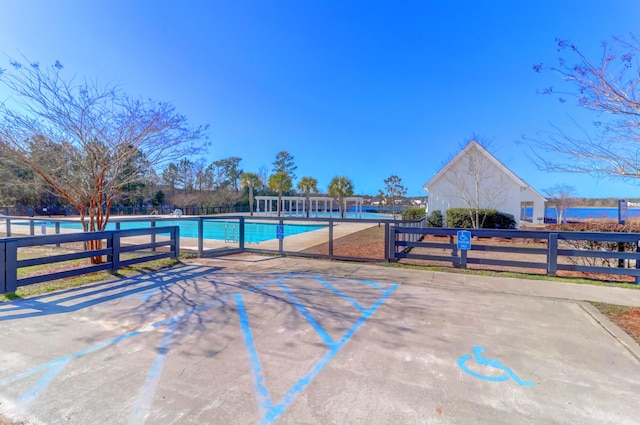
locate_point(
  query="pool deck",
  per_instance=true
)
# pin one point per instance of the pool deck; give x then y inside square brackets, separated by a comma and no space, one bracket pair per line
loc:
[297,242]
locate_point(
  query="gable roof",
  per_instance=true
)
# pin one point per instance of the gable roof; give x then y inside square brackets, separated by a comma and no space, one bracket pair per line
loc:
[471,145]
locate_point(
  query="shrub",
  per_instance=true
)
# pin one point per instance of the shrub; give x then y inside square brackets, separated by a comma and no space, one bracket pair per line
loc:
[596,245]
[493,219]
[435,219]
[414,213]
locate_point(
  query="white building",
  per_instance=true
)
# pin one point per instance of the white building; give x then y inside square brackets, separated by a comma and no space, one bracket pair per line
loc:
[297,205]
[476,179]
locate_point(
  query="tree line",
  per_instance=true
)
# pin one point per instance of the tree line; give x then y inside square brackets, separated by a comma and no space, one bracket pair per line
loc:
[71,142]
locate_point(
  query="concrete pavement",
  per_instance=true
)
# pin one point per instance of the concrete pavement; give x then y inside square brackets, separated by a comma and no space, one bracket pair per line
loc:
[253,339]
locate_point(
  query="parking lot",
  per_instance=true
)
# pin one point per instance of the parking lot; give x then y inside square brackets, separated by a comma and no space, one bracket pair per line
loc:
[269,340]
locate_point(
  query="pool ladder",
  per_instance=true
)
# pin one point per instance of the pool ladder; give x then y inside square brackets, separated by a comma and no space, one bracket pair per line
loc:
[230,233]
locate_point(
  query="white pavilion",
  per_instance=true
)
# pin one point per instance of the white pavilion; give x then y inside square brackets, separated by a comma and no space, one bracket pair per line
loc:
[320,206]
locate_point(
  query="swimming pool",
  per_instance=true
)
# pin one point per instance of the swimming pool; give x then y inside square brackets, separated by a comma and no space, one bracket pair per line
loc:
[212,229]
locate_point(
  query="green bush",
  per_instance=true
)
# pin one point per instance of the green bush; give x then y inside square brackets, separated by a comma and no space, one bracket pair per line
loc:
[493,219]
[414,213]
[435,219]
[595,226]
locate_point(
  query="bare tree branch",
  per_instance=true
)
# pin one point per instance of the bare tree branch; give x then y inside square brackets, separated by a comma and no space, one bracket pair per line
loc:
[87,141]
[611,88]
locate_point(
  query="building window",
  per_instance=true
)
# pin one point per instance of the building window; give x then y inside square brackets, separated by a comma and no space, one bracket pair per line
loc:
[526,211]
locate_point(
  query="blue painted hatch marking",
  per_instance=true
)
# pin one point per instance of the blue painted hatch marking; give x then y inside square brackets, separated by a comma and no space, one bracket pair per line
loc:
[269,411]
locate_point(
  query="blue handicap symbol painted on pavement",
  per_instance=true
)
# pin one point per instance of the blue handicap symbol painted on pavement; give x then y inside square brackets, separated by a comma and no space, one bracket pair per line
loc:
[481,360]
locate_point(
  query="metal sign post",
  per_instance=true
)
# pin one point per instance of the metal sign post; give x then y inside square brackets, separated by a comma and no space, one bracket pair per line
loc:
[280,236]
[623,211]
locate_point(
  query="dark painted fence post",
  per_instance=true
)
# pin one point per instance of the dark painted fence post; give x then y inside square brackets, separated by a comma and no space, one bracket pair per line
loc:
[552,254]
[637,281]
[153,235]
[9,268]
[387,244]
[200,236]
[3,266]
[57,225]
[392,242]
[32,228]
[281,241]
[113,243]
[176,237]
[454,252]
[330,237]
[241,235]
[463,258]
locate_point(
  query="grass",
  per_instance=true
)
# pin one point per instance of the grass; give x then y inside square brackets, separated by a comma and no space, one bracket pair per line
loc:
[610,309]
[626,318]
[578,280]
[54,285]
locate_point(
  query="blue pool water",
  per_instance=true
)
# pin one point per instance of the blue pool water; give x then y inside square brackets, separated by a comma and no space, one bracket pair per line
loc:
[217,230]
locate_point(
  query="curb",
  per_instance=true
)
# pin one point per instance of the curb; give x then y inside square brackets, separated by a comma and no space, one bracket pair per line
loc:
[618,334]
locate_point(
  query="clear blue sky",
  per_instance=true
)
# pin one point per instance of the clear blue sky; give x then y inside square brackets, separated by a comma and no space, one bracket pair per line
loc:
[364,89]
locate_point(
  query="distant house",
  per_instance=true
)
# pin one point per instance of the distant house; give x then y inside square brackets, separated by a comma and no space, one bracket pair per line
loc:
[476,179]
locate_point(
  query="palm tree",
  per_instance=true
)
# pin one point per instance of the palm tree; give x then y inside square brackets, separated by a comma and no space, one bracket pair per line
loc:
[341,188]
[250,180]
[280,182]
[308,185]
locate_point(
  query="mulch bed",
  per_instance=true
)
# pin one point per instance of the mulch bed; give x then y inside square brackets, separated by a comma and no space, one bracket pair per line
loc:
[367,243]
[628,321]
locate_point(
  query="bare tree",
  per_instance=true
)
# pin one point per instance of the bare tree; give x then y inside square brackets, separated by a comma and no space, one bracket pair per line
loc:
[263,172]
[84,139]
[560,197]
[608,86]
[395,191]
[474,181]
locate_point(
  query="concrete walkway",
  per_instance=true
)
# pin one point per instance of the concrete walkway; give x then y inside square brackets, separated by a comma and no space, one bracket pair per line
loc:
[452,281]
[253,339]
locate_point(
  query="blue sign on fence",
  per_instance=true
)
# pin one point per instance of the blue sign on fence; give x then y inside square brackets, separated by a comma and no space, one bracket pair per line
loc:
[280,232]
[464,239]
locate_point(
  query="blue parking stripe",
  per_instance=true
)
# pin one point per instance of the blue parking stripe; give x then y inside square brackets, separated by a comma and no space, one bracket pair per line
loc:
[262,394]
[145,399]
[337,292]
[278,409]
[319,329]
[33,392]
[372,284]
